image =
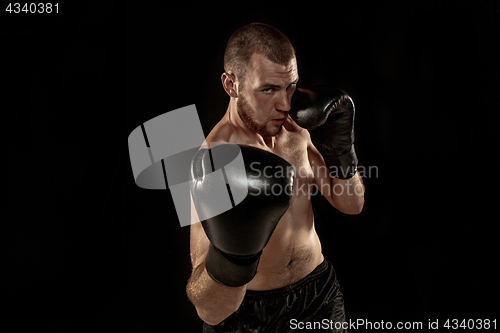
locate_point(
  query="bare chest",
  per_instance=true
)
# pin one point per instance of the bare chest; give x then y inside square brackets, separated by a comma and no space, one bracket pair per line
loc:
[294,249]
[294,151]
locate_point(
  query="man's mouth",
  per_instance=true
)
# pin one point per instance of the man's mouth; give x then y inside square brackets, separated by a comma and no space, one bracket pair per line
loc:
[278,121]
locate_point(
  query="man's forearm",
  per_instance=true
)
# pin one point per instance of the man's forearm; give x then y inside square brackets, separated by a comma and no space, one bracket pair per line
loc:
[214,302]
[347,195]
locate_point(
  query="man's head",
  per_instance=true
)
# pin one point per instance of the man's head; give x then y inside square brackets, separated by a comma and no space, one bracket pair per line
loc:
[260,73]
[257,38]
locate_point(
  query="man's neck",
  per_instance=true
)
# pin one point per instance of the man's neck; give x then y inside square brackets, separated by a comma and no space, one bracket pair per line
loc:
[234,118]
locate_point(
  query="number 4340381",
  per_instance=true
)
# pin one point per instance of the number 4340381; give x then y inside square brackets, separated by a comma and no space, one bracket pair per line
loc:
[33,8]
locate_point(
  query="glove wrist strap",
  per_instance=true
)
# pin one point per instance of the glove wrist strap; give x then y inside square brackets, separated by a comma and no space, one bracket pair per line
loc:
[229,270]
[343,166]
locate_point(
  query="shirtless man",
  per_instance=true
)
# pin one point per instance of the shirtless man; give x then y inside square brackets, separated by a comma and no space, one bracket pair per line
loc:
[289,282]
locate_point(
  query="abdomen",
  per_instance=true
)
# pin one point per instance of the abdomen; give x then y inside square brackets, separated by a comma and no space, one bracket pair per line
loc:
[293,252]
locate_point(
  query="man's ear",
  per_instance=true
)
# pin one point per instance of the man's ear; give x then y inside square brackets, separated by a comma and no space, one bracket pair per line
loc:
[229,84]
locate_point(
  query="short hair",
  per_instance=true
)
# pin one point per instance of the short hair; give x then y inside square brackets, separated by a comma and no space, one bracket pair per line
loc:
[256,38]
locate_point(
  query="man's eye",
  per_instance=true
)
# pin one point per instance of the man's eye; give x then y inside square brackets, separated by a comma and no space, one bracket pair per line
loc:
[267,90]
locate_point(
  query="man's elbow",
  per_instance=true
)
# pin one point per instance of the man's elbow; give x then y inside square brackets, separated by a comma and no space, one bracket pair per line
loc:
[353,208]
[213,317]
[211,312]
[209,319]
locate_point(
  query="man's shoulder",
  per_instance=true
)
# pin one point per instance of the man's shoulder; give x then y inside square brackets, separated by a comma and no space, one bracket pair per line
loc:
[220,133]
[225,131]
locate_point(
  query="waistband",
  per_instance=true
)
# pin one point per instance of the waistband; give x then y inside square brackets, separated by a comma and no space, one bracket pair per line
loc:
[320,270]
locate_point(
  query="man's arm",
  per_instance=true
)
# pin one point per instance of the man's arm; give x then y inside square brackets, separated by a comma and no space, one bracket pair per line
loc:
[328,115]
[226,246]
[214,302]
[347,195]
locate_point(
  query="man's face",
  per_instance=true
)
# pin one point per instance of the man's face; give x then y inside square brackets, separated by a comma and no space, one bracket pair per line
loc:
[264,100]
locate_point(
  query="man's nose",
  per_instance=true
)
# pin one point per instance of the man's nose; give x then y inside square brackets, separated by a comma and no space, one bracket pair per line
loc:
[283,103]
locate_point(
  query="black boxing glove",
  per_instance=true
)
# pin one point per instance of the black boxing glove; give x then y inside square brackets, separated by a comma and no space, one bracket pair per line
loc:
[328,114]
[238,235]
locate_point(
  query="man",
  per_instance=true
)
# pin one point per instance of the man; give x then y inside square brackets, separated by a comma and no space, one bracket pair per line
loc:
[262,269]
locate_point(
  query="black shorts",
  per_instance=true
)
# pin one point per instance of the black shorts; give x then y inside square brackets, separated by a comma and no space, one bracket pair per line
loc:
[313,304]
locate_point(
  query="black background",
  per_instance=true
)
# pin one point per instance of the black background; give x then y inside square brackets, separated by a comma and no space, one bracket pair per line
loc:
[84,249]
